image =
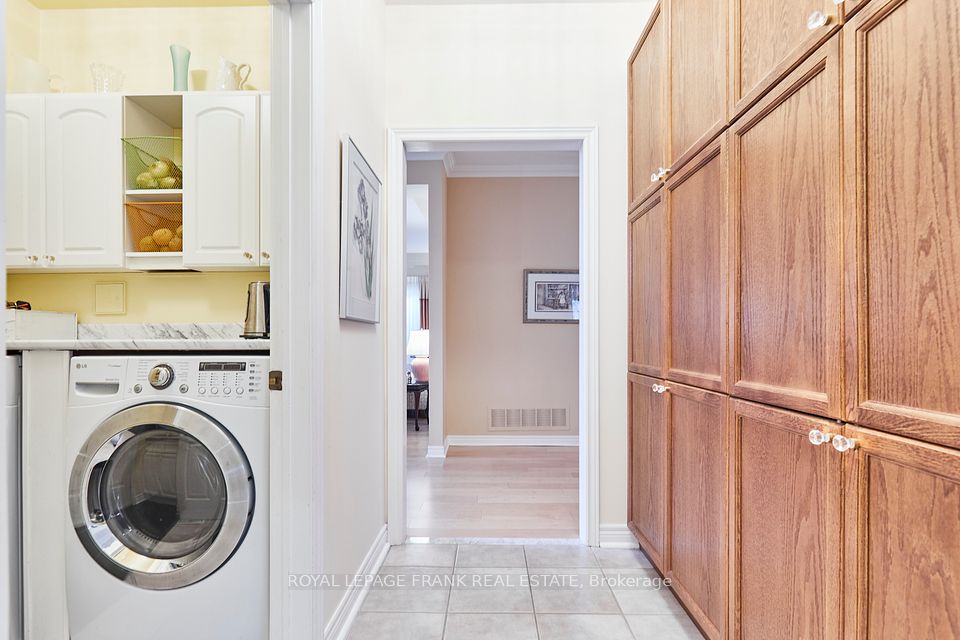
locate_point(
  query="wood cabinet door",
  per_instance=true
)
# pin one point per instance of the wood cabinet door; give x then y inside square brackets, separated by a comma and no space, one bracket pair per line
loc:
[84,181]
[649,480]
[902,553]
[696,201]
[221,180]
[698,505]
[786,266]
[647,123]
[771,37]
[785,526]
[25,182]
[902,219]
[266,238]
[647,307]
[698,75]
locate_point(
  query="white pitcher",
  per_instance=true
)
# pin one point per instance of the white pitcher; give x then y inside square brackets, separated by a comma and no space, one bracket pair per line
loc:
[231,77]
[29,76]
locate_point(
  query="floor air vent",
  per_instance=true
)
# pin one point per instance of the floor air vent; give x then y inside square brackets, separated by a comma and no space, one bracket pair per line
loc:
[520,419]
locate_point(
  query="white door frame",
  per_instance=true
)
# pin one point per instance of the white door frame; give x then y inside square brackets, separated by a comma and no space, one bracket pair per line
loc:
[395,288]
[296,481]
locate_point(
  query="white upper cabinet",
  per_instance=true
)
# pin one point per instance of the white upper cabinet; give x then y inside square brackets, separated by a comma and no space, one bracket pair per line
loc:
[266,247]
[221,181]
[84,181]
[24,189]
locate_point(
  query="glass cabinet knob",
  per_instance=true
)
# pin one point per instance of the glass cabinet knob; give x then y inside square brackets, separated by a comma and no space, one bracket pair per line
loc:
[816,20]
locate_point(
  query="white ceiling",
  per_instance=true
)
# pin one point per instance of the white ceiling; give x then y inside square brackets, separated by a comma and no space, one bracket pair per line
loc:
[418,218]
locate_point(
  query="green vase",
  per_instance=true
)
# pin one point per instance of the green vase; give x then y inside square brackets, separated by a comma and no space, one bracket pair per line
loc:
[181,62]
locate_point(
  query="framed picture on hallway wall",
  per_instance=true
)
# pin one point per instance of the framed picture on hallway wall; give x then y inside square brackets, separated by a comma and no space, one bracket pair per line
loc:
[551,296]
[359,237]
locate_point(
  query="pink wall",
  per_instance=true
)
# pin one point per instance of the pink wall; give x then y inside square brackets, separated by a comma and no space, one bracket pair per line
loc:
[496,228]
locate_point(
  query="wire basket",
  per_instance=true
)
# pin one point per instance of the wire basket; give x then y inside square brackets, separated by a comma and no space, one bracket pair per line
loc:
[155,227]
[154,162]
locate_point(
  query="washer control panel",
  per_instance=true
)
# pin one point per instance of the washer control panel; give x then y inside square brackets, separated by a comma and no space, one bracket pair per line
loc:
[223,379]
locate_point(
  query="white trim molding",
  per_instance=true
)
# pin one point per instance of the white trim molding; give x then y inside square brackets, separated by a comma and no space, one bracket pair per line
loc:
[513,441]
[586,140]
[436,452]
[617,536]
[346,612]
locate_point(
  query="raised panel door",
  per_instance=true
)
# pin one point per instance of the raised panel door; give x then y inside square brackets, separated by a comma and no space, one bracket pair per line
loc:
[786,258]
[786,526]
[25,184]
[696,200]
[221,181]
[771,37]
[647,303]
[903,218]
[648,122]
[84,181]
[698,75]
[902,554]
[649,480]
[266,238]
[698,505]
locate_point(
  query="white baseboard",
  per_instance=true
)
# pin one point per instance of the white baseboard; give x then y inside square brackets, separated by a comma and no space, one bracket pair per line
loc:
[436,451]
[346,613]
[512,441]
[617,536]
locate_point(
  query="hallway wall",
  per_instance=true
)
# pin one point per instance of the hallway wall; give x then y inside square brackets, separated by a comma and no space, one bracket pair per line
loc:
[496,228]
[537,64]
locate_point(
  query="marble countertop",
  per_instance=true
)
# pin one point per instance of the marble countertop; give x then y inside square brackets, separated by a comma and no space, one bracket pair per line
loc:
[149,337]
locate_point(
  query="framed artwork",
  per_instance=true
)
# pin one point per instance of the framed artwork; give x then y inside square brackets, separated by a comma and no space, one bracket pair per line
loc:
[551,296]
[359,237]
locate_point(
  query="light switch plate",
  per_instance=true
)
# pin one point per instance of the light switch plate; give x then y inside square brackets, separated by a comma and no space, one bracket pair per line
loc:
[111,298]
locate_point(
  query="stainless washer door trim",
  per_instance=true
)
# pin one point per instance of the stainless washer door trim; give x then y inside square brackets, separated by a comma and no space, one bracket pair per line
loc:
[128,565]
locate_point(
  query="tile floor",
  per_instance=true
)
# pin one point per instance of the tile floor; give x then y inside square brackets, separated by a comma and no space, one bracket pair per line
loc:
[519,592]
[493,492]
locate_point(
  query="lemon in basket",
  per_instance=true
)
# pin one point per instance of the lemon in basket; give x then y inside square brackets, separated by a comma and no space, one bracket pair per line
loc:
[162,236]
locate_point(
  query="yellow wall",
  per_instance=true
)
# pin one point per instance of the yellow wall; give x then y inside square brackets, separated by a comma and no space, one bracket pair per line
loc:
[151,297]
[137,41]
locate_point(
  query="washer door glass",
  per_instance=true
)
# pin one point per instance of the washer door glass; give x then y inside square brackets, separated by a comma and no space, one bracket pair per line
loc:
[162,494]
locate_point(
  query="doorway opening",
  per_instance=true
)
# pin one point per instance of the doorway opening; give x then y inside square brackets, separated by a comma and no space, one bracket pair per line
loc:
[493,328]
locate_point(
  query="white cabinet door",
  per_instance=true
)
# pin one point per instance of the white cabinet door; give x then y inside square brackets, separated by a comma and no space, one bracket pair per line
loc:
[25,183]
[221,180]
[84,221]
[266,247]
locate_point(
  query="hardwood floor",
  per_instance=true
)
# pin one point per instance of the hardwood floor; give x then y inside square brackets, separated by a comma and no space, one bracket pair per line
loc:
[492,492]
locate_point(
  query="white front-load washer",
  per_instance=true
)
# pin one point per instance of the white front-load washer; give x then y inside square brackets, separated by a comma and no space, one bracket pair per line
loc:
[167,492]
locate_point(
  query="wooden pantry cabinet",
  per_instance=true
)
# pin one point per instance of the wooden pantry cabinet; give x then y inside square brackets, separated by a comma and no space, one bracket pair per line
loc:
[902,219]
[786,263]
[648,119]
[768,38]
[698,75]
[902,548]
[785,533]
[697,542]
[648,304]
[696,208]
[649,471]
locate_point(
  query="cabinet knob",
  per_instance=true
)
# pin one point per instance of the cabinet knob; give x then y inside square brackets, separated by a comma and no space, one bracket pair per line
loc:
[838,1]
[265,255]
[664,173]
[659,388]
[248,255]
[50,258]
[654,176]
[843,443]
[818,437]
[816,20]
[32,259]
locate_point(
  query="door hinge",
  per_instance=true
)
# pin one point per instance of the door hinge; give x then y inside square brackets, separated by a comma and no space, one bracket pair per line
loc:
[275,381]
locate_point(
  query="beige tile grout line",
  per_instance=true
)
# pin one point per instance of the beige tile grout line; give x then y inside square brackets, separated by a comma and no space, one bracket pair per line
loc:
[623,616]
[533,603]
